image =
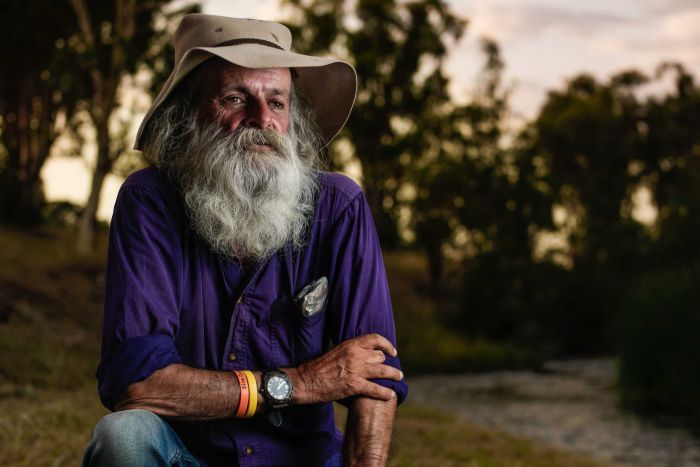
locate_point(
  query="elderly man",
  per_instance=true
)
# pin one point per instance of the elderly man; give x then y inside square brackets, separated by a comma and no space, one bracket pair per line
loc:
[245,288]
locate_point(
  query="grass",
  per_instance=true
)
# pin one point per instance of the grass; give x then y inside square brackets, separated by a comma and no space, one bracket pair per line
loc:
[425,438]
[50,312]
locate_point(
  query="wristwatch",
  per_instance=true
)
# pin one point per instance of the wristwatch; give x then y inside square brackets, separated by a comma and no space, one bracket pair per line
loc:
[277,389]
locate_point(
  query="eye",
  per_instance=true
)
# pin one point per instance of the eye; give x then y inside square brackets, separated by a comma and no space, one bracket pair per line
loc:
[277,105]
[233,99]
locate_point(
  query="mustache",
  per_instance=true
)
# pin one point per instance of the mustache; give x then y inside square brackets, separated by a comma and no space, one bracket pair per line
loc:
[246,139]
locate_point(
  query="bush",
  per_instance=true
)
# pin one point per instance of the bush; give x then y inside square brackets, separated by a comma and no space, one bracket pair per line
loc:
[532,305]
[659,334]
[62,213]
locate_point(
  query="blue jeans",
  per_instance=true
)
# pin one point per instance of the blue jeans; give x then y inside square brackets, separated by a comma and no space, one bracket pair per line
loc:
[136,438]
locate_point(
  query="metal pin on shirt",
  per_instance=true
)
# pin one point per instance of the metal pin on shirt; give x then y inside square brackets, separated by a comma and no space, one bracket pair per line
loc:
[312,298]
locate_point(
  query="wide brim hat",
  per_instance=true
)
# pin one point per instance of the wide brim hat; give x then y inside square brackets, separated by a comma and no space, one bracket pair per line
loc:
[329,85]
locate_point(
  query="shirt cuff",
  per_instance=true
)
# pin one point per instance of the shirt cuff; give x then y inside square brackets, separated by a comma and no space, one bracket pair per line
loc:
[399,387]
[131,361]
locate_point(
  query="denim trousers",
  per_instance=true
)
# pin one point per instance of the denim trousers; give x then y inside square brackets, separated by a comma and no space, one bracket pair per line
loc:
[136,438]
[141,438]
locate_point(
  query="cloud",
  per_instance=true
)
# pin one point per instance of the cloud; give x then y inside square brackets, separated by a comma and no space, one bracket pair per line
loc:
[664,7]
[508,22]
[545,42]
[683,26]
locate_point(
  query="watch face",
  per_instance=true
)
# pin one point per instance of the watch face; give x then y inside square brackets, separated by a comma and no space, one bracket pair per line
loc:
[278,388]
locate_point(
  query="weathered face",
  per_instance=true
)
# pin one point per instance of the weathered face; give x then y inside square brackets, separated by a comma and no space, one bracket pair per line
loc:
[231,96]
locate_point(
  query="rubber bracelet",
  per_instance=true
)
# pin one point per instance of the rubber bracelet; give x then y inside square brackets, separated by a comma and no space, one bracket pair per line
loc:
[253,391]
[244,394]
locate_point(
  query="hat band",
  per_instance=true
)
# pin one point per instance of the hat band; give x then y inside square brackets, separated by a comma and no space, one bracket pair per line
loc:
[249,41]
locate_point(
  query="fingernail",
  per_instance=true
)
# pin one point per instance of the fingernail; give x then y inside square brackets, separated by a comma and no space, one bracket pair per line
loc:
[401,374]
[395,352]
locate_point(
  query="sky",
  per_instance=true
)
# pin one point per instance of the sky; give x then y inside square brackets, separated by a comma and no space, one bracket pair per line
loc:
[543,42]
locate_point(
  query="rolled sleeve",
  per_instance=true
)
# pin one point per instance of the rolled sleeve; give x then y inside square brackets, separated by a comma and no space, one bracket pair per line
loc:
[360,302]
[142,290]
[131,361]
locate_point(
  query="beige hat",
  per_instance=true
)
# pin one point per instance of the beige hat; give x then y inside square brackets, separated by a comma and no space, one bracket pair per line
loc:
[328,84]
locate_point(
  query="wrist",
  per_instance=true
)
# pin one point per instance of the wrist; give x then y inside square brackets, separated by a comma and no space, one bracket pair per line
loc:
[300,395]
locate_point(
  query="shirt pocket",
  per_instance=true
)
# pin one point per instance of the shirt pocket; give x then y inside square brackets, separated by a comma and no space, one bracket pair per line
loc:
[296,339]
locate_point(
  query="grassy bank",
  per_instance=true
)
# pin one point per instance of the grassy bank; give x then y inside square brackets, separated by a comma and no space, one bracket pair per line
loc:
[50,306]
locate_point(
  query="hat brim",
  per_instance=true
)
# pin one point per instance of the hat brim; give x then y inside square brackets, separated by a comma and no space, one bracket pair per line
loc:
[329,85]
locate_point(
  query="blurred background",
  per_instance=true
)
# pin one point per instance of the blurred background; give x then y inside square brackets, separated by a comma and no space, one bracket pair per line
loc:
[534,171]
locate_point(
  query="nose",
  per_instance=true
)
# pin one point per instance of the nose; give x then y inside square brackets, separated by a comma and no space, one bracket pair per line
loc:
[258,115]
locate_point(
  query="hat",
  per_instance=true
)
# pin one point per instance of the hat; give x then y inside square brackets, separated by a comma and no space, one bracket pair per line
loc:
[328,84]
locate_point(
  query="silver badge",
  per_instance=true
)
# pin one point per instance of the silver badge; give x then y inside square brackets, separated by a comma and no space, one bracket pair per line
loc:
[312,298]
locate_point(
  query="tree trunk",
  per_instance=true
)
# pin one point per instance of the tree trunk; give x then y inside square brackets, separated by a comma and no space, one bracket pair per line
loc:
[103,165]
[105,83]
[21,193]
[88,220]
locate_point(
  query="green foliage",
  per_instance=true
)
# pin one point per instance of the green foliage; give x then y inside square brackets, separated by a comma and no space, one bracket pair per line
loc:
[398,49]
[659,329]
[425,343]
[671,155]
[512,300]
[588,136]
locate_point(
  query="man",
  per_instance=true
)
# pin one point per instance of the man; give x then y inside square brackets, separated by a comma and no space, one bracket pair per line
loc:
[245,288]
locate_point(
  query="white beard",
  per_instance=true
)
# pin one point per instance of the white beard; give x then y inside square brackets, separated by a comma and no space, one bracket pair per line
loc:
[244,200]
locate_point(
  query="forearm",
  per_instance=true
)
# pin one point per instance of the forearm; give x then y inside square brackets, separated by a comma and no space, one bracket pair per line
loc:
[368,432]
[182,392]
[179,391]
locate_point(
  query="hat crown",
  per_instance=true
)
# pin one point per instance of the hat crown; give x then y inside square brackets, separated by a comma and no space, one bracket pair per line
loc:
[201,30]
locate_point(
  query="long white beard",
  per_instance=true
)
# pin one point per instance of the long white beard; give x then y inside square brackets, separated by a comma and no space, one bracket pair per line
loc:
[243,200]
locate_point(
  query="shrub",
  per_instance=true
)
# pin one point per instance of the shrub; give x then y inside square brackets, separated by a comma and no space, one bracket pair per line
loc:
[659,338]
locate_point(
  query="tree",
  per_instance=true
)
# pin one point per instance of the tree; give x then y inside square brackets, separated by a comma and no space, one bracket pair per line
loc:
[589,136]
[462,170]
[117,38]
[34,93]
[670,152]
[398,50]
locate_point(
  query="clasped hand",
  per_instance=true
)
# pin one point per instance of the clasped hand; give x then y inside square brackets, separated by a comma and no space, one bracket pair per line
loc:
[345,371]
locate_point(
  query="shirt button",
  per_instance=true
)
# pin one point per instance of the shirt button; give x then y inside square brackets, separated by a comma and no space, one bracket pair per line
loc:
[249,450]
[233,357]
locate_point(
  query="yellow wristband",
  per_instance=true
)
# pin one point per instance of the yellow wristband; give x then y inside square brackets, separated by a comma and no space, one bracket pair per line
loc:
[253,393]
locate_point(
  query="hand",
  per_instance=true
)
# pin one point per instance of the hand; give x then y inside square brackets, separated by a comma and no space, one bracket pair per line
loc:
[345,371]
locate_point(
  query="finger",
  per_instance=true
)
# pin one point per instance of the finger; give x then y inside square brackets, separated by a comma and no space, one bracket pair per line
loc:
[375,357]
[377,341]
[384,372]
[376,391]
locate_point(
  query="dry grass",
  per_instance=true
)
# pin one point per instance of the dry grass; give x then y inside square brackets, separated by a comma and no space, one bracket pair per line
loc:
[50,303]
[424,438]
[427,438]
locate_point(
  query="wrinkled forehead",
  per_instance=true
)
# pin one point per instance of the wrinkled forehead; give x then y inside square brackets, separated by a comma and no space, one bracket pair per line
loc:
[216,76]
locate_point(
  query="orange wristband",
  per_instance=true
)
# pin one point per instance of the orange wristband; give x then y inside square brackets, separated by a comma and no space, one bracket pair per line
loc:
[244,394]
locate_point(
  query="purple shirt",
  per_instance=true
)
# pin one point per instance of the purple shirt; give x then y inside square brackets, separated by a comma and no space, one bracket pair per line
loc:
[170,299]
